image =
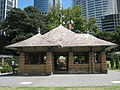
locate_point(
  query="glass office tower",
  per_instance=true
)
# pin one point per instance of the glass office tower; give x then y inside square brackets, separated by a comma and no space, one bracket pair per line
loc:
[56,2]
[97,8]
[118,4]
[44,5]
[6,5]
[110,22]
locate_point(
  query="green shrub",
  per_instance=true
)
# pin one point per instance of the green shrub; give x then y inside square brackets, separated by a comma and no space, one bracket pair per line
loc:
[115,61]
[112,60]
[9,60]
[6,68]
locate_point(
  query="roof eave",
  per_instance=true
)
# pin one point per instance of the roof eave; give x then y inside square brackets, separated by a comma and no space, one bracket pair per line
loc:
[32,46]
[114,45]
[111,47]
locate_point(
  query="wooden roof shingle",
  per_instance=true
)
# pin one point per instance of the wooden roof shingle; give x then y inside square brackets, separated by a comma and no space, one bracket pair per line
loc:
[63,37]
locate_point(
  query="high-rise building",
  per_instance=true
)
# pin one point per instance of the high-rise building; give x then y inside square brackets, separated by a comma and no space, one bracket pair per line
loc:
[56,2]
[97,8]
[44,5]
[109,22]
[118,4]
[6,5]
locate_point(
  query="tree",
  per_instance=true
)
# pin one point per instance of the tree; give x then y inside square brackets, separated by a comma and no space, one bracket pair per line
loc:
[79,22]
[110,36]
[105,35]
[70,16]
[117,36]
[22,24]
[3,42]
[36,18]
[91,26]
[117,61]
[53,17]
[112,61]
[14,24]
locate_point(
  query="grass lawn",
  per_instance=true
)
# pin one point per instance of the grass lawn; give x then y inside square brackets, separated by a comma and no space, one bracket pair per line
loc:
[116,70]
[62,88]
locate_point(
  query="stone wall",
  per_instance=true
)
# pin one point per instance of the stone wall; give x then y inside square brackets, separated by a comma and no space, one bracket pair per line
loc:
[92,67]
[70,63]
[84,68]
[76,68]
[79,68]
[48,68]
[40,69]
[49,63]
[103,62]
[34,70]
[91,63]
[98,68]
[21,64]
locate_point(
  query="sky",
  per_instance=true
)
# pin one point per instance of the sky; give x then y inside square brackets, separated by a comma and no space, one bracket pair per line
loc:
[24,3]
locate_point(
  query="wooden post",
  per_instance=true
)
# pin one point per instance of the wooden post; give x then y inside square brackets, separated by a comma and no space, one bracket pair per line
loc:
[91,63]
[21,64]
[49,66]
[103,62]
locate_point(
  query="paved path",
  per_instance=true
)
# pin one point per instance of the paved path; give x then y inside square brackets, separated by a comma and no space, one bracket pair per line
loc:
[112,78]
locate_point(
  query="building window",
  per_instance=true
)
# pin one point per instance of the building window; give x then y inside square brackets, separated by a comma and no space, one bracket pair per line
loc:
[9,7]
[10,3]
[81,58]
[35,58]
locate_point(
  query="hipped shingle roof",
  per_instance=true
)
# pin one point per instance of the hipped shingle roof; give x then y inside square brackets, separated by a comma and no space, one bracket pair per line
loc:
[63,37]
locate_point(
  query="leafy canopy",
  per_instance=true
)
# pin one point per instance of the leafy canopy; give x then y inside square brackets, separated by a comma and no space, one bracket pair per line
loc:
[21,24]
[111,36]
[70,16]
